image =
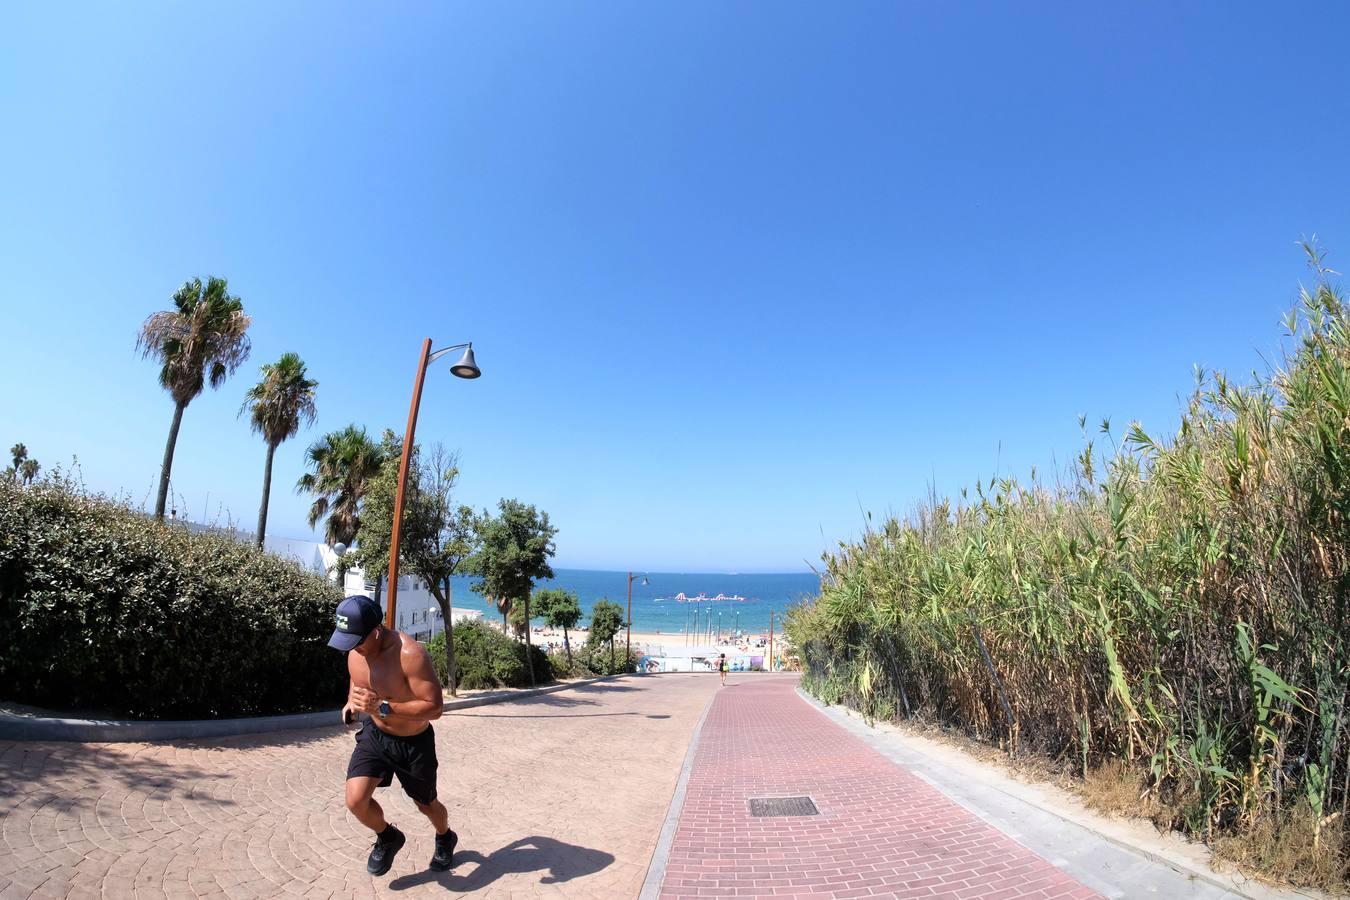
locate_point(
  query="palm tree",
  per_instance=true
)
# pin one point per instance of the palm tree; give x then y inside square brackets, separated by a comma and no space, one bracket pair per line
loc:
[277,405]
[203,338]
[20,454]
[342,463]
[29,470]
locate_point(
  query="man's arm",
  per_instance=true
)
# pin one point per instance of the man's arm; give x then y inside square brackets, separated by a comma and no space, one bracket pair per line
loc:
[353,705]
[427,702]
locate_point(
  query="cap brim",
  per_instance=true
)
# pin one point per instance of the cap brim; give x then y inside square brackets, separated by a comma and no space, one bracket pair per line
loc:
[344,641]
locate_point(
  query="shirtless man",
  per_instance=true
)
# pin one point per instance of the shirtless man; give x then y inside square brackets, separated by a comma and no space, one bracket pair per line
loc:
[395,684]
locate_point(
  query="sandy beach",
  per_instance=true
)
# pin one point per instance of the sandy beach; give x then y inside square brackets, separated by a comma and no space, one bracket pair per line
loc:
[667,644]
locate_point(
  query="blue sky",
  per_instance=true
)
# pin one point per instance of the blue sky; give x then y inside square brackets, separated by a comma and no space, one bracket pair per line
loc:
[732,271]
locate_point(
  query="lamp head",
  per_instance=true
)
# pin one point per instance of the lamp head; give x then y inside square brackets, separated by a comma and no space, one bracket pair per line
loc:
[339,549]
[466,367]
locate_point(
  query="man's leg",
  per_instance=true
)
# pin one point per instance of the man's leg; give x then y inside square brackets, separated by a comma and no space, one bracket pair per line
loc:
[361,801]
[437,813]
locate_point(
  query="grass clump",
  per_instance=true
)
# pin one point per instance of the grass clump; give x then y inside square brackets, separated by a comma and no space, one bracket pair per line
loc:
[1174,607]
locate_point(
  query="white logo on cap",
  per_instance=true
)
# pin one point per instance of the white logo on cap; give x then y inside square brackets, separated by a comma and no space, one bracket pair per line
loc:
[342,622]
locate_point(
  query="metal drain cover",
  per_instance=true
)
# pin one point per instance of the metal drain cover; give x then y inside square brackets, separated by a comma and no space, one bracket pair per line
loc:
[783,806]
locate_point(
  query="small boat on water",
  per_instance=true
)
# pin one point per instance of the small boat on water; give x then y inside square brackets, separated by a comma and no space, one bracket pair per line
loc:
[704,598]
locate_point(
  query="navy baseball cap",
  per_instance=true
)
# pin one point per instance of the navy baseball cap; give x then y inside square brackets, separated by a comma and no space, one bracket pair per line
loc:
[356,617]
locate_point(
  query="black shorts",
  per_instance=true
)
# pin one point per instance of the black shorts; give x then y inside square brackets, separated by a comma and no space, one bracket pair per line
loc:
[382,755]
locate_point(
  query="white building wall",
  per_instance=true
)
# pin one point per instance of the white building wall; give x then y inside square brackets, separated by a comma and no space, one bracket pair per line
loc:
[418,612]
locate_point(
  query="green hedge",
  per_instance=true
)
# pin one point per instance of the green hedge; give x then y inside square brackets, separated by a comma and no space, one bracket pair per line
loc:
[599,659]
[106,610]
[486,658]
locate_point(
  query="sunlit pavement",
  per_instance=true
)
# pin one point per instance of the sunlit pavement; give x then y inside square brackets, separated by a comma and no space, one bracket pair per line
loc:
[879,830]
[558,795]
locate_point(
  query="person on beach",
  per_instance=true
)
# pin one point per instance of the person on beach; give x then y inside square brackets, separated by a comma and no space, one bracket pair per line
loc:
[722,666]
[393,681]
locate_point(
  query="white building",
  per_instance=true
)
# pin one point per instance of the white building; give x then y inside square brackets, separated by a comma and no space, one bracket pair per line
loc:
[418,612]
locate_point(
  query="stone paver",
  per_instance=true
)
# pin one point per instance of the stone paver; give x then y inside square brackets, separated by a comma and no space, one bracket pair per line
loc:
[558,795]
[881,831]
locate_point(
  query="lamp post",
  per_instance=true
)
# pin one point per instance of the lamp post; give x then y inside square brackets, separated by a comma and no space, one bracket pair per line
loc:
[628,638]
[465,368]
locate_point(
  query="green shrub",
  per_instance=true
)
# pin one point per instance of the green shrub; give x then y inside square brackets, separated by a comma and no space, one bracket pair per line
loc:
[557,659]
[110,611]
[486,658]
[596,658]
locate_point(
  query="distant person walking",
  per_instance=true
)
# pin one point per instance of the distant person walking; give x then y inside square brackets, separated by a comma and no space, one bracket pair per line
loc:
[394,682]
[722,666]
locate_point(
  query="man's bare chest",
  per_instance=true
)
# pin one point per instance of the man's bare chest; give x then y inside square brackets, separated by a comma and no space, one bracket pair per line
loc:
[385,677]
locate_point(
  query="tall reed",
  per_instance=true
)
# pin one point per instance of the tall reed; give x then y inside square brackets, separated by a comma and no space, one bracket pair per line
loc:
[1179,604]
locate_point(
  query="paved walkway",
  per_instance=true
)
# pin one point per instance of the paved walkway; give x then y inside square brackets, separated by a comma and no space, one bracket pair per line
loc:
[880,830]
[558,795]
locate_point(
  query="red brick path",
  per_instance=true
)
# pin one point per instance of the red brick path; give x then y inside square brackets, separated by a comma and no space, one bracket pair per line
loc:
[881,830]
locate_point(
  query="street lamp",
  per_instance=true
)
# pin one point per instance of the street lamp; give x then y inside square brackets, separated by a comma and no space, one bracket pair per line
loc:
[628,638]
[465,368]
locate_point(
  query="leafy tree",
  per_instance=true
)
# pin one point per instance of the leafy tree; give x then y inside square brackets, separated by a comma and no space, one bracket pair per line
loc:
[277,405]
[342,464]
[559,609]
[436,536]
[516,619]
[515,548]
[606,622]
[204,338]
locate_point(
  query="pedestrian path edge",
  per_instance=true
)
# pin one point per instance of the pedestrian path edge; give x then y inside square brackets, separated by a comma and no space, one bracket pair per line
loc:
[1077,845]
[656,870]
[122,731]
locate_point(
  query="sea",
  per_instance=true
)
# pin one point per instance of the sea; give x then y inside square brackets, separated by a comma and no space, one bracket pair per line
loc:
[747,598]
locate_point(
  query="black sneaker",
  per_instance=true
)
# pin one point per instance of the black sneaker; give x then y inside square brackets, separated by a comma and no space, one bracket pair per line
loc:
[443,859]
[387,845]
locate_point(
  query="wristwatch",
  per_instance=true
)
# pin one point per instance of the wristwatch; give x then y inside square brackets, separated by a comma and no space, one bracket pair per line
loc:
[385,709]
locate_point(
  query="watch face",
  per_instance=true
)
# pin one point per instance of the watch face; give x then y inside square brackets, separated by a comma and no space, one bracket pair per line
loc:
[384,708]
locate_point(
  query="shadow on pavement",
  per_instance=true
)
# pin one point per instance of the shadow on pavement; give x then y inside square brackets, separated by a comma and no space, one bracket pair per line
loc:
[604,688]
[69,777]
[531,854]
[563,715]
[549,701]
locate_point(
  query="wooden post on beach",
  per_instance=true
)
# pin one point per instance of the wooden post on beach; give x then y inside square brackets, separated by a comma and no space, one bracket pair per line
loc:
[769,661]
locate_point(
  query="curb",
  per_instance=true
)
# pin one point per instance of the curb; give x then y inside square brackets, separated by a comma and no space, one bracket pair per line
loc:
[122,731]
[656,870]
[1236,886]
